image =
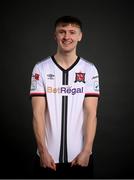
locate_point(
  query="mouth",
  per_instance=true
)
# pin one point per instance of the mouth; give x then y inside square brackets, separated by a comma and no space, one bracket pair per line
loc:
[67,42]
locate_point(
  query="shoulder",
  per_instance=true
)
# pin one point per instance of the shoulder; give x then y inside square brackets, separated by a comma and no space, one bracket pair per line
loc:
[88,63]
[43,62]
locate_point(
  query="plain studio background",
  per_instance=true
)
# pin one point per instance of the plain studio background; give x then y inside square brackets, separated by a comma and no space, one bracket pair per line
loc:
[108,41]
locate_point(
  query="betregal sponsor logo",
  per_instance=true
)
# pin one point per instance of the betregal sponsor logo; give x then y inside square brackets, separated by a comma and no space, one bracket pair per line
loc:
[65,90]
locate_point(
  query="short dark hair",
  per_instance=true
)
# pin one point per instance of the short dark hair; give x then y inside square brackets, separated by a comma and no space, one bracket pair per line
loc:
[68,20]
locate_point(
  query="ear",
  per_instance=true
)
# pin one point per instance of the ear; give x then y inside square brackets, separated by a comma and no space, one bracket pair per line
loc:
[80,36]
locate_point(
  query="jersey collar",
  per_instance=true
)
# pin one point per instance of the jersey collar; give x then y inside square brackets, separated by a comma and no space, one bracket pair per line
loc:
[61,68]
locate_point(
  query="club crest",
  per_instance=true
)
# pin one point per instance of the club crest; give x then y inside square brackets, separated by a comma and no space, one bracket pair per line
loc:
[79,77]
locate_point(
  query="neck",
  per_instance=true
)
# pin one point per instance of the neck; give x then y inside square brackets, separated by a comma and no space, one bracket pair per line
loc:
[65,60]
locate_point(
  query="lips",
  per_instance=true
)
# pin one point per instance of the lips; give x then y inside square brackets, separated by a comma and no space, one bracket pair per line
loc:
[67,42]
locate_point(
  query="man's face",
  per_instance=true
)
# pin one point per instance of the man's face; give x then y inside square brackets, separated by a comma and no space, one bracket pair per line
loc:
[67,36]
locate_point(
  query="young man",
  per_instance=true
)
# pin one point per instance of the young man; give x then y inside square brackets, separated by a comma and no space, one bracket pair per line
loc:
[65,91]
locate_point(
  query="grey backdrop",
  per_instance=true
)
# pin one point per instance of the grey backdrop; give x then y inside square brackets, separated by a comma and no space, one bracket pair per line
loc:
[108,41]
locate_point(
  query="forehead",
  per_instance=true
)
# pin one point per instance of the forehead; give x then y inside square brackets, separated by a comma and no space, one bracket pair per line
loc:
[68,26]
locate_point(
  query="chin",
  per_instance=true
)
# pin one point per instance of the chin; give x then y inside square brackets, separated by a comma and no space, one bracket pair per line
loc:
[68,49]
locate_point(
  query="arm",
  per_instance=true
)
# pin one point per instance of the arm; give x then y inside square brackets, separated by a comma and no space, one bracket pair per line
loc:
[90,122]
[89,130]
[39,108]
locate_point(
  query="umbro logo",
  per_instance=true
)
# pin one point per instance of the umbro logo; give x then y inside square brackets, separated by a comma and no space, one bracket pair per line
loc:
[50,76]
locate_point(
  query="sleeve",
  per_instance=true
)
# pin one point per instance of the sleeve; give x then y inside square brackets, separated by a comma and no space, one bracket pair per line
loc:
[92,83]
[37,87]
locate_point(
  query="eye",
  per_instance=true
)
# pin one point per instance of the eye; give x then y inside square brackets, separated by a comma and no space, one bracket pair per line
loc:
[61,32]
[72,32]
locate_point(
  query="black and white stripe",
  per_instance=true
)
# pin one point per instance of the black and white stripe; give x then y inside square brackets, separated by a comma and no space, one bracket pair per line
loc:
[63,158]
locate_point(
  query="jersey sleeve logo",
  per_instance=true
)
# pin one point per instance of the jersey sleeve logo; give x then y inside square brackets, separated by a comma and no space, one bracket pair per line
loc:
[96,86]
[36,76]
[79,77]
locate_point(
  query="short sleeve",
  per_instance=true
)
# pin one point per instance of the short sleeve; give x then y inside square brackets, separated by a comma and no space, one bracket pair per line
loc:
[92,82]
[37,87]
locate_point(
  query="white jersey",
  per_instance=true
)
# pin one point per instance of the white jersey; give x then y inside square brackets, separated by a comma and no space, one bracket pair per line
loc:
[64,91]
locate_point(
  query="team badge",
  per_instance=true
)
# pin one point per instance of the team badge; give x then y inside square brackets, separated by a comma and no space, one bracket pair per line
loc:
[79,77]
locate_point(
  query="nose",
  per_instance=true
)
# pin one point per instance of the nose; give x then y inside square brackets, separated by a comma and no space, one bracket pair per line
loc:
[66,35]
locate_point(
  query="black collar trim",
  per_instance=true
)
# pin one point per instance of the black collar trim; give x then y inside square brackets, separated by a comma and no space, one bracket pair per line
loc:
[61,68]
